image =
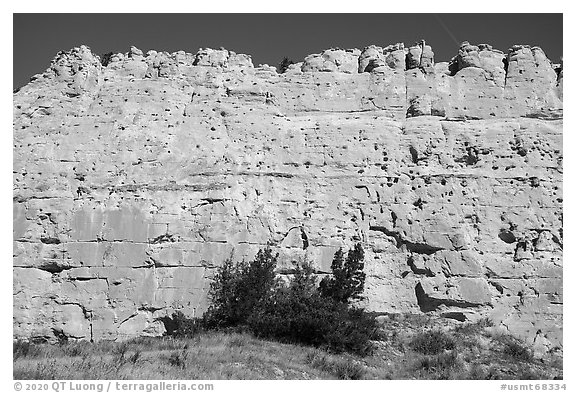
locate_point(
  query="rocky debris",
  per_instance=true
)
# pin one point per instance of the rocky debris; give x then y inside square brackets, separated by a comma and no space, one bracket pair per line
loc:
[133,181]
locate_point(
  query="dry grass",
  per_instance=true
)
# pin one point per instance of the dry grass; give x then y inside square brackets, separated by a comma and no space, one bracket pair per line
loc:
[208,356]
[474,353]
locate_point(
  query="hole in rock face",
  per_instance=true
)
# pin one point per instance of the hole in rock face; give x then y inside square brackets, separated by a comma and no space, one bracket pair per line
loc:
[419,203]
[506,236]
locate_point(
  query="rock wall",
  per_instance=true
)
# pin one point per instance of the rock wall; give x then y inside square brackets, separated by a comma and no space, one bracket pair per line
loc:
[134,180]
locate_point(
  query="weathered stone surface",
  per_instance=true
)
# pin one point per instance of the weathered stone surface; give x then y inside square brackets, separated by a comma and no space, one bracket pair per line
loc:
[419,56]
[132,182]
[532,78]
[376,59]
[482,56]
[332,60]
[220,58]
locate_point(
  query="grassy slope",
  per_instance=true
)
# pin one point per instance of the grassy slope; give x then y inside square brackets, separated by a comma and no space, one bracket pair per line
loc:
[208,356]
[477,353]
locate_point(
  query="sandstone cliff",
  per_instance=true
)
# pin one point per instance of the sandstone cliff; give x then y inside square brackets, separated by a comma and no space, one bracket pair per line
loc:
[133,181]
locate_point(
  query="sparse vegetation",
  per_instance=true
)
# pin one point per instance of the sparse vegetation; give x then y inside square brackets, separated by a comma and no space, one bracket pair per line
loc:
[341,367]
[231,355]
[105,58]
[439,366]
[432,342]
[210,355]
[515,349]
[179,358]
[474,327]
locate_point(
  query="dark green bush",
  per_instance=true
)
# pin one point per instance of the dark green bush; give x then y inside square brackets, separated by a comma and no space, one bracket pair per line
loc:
[353,333]
[294,312]
[249,296]
[347,280]
[294,318]
[237,290]
[179,325]
[284,64]
[298,313]
[432,342]
[105,58]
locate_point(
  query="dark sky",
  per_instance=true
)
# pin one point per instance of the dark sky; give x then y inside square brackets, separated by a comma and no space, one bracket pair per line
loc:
[270,37]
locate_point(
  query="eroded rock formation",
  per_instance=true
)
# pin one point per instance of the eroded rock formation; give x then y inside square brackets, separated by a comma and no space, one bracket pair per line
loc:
[133,181]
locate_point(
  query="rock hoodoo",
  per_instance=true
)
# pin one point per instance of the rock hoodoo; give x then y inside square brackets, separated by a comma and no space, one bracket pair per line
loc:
[133,181]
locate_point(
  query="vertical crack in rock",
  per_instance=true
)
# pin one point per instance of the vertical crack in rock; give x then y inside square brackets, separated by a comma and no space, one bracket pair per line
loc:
[304,236]
[394,218]
[91,327]
[505,63]
[422,45]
